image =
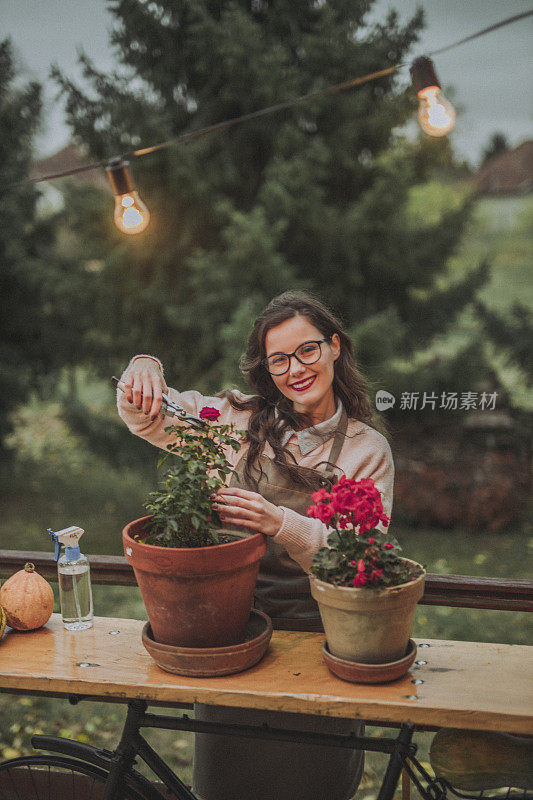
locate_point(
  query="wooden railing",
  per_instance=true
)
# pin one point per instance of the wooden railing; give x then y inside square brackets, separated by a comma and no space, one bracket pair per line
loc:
[464,591]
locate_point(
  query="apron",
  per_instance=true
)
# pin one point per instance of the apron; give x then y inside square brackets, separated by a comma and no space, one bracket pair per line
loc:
[237,768]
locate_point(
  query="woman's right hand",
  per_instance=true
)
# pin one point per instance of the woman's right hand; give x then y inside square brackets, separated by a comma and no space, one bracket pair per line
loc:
[144,385]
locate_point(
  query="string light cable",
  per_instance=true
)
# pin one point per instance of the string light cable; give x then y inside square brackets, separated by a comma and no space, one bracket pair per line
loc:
[422,72]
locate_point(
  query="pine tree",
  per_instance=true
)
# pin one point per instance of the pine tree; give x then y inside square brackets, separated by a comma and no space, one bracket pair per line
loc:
[513,332]
[497,144]
[25,245]
[20,239]
[314,197]
[42,327]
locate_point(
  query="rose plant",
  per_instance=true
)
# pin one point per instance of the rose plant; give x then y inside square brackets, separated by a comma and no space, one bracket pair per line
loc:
[181,510]
[196,580]
[358,554]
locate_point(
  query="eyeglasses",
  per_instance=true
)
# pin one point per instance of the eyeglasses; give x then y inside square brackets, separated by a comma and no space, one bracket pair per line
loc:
[306,353]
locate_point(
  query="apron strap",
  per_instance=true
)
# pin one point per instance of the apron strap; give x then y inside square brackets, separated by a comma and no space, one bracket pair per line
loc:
[338,441]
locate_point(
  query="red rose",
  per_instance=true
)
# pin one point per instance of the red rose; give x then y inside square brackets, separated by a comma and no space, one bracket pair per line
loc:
[210,413]
[361,566]
[361,579]
[371,540]
[388,546]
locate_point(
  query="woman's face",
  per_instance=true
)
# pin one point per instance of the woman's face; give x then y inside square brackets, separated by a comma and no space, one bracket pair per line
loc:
[308,386]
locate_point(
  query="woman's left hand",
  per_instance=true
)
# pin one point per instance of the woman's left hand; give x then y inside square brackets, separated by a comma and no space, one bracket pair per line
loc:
[249,509]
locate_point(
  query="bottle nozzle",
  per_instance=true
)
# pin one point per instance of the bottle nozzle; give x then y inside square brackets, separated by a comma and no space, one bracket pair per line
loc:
[69,538]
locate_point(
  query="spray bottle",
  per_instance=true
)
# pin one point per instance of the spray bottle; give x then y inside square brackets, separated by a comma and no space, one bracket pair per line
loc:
[74,579]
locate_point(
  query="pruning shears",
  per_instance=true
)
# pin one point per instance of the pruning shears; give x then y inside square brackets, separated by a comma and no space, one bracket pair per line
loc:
[169,408]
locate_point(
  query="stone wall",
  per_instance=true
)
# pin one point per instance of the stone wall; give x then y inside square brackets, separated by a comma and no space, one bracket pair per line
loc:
[469,479]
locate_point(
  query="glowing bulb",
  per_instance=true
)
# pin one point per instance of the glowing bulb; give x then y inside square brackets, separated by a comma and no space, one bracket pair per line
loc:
[131,214]
[436,114]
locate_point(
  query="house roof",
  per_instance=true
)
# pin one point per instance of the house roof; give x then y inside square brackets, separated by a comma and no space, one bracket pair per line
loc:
[71,157]
[510,172]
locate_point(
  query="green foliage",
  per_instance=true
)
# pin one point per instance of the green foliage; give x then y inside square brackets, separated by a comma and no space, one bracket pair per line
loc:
[46,325]
[181,505]
[55,480]
[104,433]
[339,563]
[513,333]
[24,243]
[434,157]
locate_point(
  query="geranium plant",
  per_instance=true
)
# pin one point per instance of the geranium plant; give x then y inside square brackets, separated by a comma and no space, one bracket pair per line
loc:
[196,466]
[358,553]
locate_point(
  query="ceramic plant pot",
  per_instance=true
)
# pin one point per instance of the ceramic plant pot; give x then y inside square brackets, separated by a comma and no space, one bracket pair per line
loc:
[197,596]
[368,625]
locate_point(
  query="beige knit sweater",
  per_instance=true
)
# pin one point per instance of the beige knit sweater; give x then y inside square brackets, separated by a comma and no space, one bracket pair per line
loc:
[365,454]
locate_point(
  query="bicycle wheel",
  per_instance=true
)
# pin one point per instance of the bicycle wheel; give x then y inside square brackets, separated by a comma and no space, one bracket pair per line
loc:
[49,777]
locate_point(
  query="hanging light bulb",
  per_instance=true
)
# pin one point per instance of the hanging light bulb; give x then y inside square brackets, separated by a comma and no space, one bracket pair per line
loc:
[436,114]
[131,215]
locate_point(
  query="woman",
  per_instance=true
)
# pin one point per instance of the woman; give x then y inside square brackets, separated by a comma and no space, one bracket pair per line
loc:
[307,423]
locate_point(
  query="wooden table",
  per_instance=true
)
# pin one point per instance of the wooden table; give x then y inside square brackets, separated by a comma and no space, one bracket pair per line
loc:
[463,684]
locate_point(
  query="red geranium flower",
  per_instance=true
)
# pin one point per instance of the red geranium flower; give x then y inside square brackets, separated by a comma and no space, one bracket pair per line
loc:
[357,553]
[325,512]
[353,503]
[209,413]
[320,496]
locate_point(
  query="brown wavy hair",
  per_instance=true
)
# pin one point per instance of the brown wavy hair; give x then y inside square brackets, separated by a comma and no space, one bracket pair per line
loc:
[272,413]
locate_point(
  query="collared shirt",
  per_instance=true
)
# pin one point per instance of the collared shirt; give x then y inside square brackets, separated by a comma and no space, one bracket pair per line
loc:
[311,438]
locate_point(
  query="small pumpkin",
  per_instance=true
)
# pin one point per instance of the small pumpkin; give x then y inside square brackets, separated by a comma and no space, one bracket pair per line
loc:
[27,599]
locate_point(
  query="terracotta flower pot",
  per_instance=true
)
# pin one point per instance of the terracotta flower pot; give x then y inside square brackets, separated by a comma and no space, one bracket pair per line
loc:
[197,596]
[368,625]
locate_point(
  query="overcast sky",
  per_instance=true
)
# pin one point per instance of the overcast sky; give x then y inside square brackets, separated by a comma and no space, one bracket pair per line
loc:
[491,76]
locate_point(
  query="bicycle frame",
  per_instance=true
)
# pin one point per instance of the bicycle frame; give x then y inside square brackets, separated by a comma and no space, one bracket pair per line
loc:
[119,763]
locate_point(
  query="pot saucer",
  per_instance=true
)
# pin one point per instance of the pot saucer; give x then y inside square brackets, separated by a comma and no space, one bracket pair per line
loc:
[208,662]
[356,672]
